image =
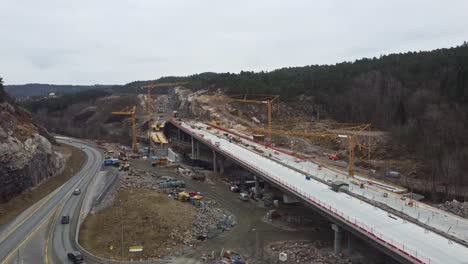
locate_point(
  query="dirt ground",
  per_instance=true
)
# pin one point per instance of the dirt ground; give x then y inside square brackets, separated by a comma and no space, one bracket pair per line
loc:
[253,233]
[138,217]
[12,208]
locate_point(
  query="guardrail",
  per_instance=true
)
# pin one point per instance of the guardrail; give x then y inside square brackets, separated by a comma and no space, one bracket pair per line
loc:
[370,232]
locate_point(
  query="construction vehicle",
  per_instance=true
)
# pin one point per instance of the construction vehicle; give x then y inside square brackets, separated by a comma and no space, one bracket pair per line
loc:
[268,100]
[162,161]
[333,157]
[183,196]
[149,103]
[125,167]
[130,111]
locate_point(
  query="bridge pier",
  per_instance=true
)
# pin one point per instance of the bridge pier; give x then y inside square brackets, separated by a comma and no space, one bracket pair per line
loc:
[197,144]
[257,186]
[350,243]
[221,165]
[215,169]
[337,240]
[193,147]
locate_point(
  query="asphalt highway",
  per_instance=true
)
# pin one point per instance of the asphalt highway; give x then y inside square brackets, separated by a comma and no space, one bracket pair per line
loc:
[52,207]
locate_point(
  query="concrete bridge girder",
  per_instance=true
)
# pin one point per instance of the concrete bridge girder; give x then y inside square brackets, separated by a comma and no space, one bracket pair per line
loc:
[337,221]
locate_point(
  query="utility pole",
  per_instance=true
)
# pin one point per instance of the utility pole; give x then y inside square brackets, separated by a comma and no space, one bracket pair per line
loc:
[121,229]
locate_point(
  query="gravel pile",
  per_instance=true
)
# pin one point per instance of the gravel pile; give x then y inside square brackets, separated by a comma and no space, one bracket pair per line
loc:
[455,207]
[305,252]
[139,179]
[211,221]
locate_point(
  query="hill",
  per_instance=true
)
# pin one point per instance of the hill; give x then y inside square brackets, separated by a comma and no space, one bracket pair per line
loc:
[26,154]
[41,90]
[421,97]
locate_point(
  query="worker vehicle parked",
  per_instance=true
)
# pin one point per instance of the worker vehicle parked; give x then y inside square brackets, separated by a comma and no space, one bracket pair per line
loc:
[76,257]
[243,196]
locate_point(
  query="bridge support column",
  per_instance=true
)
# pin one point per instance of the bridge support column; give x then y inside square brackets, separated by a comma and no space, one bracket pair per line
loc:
[214,162]
[221,165]
[197,144]
[267,187]
[193,147]
[337,242]
[179,137]
[257,186]
[350,243]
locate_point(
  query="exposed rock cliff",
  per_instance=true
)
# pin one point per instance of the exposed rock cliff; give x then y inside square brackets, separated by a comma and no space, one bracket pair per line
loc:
[26,154]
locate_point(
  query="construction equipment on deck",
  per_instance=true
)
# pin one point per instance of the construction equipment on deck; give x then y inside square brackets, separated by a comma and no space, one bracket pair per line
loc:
[351,141]
[260,99]
[130,111]
[149,103]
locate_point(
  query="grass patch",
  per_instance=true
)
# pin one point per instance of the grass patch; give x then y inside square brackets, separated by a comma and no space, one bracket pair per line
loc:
[18,204]
[145,218]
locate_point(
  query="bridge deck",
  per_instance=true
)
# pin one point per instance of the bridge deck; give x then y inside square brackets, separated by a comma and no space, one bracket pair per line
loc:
[407,238]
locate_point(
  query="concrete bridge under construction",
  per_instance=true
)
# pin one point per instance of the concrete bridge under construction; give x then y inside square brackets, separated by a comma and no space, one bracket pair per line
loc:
[406,230]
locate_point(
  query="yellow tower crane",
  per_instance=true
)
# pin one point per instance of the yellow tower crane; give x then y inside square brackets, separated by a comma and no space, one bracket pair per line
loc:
[268,100]
[351,141]
[130,111]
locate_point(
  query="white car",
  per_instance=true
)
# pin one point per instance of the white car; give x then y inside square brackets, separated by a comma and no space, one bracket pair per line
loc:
[243,196]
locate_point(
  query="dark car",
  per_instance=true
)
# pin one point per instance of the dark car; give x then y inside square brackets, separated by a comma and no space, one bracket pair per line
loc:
[76,191]
[76,257]
[65,219]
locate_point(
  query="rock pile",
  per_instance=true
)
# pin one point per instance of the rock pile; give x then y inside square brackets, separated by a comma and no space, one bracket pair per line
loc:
[455,207]
[305,252]
[138,179]
[211,221]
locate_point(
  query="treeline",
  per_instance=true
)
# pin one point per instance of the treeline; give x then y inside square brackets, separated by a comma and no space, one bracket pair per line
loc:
[63,102]
[41,90]
[421,97]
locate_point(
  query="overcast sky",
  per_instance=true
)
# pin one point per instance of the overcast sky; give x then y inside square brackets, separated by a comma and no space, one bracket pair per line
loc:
[116,41]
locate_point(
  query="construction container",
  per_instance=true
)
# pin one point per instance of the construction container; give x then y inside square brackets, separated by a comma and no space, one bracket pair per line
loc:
[258,137]
[339,186]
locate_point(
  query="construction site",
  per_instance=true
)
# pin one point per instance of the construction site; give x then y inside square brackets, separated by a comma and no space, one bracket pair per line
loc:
[235,132]
[214,178]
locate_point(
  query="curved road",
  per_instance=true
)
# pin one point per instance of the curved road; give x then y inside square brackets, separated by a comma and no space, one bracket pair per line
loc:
[26,225]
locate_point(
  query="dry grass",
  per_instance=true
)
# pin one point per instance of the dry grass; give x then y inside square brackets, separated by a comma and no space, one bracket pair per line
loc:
[18,204]
[145,218]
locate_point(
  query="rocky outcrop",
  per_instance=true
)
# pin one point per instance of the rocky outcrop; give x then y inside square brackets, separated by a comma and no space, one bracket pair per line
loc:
[26,154]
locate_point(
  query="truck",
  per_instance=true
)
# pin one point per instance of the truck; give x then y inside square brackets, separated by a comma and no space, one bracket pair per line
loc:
[111,162]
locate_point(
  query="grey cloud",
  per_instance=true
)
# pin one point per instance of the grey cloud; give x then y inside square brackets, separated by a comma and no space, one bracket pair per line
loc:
[117,41]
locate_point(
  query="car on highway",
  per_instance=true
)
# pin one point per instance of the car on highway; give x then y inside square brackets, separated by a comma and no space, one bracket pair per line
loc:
[76,257]
[77,191]
[65,219]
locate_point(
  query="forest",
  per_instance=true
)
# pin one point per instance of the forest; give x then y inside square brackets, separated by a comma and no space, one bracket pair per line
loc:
[420,97]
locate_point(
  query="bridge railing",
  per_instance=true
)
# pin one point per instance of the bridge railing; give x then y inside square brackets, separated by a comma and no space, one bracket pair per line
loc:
[371,232]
